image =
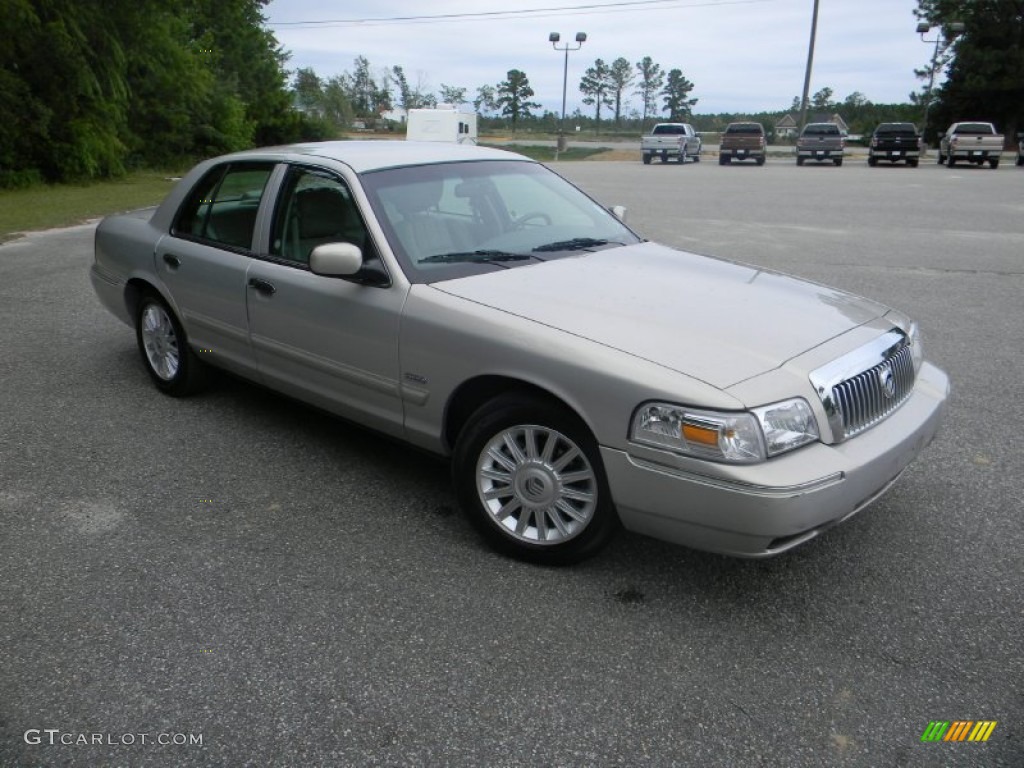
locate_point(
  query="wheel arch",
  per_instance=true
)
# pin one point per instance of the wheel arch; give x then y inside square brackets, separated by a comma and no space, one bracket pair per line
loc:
[473,393]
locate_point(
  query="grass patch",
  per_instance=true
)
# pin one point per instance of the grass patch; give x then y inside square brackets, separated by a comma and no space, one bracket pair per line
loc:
[545,154]
[61,205]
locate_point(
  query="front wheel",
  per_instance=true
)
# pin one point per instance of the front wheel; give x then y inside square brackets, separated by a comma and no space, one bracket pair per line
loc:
[528,474]
[171,364]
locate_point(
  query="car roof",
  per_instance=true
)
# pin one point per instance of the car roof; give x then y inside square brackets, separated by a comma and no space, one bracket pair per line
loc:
[371,155]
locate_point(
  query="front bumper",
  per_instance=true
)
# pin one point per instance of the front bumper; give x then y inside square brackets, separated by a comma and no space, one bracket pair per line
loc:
[749,513]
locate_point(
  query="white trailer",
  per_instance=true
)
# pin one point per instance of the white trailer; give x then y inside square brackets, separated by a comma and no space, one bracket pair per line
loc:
[446,123]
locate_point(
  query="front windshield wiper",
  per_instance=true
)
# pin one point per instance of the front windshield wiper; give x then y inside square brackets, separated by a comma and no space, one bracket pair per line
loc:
[483,256]
[576,244]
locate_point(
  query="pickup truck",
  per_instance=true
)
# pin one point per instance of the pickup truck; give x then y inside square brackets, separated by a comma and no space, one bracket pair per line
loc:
[895,142]
[667,140]
[976,143]
[820,141]
[742,141]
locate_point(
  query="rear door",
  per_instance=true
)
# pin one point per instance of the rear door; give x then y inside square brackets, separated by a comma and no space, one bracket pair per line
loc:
[204,260]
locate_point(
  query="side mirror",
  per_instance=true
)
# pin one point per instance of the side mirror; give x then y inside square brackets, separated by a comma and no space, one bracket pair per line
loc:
[336,260]
[619,212]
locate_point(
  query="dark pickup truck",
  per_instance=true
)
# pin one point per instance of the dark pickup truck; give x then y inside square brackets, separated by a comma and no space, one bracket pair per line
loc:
[742,141]
[895,142]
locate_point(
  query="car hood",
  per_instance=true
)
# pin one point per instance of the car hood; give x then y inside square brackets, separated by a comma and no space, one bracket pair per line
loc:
[710,319]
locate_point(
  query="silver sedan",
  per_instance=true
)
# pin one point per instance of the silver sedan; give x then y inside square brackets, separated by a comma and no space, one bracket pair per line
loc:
[477,305]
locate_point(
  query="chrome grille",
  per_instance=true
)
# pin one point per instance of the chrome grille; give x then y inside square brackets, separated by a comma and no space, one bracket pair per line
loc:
[865,400]
[863,387]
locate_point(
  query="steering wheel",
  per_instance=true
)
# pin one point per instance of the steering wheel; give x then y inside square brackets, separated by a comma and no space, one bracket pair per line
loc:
[520,222]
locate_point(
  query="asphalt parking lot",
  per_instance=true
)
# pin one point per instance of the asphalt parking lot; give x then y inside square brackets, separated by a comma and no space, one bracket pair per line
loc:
[293,591]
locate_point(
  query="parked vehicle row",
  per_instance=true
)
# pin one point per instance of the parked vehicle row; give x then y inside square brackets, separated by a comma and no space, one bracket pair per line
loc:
[968,142]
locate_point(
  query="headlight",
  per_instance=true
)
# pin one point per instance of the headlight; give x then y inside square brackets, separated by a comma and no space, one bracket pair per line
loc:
[787,425]
[737,438]
[916,348]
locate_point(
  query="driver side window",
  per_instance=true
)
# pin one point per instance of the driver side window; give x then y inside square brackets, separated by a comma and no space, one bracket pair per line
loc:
[314,208]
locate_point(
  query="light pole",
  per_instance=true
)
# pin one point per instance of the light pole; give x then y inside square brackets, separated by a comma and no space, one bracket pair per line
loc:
[955,28]
[553,38]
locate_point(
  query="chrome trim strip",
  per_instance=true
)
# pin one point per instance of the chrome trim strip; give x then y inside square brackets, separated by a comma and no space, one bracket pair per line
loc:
[736,486]
[231,331]
[322,364]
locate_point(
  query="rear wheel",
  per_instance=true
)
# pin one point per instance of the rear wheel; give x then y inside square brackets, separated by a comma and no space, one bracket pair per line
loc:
[912,162]
[1020,158]
[528,474]
[872,161]
[950,161]
[760,161]
[647,159]
[171,364]
[723,160]
[939,158]
[993,163]
[799,161]
[838,162]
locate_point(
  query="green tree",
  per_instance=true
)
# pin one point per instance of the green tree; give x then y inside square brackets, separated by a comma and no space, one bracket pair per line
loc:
[486,100]
[451,94]
[620,77]
[652,80]
[596,86]
[822,100]
[513,96]
[675,93]
[986,74]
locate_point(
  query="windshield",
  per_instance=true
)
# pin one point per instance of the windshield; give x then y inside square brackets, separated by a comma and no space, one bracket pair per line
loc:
[451,220]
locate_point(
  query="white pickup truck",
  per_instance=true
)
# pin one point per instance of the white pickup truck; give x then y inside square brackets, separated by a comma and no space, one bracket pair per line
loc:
[972,143]
[671,140]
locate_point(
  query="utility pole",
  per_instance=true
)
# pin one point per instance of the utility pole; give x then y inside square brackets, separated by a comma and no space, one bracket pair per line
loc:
[810,62]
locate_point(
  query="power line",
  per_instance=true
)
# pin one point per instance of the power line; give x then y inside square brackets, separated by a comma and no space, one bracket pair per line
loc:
[524,13]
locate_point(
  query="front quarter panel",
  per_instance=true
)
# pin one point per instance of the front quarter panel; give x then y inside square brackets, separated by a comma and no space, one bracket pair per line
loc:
[447,341]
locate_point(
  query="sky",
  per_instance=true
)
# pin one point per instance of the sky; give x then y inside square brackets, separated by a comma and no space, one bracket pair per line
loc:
[741,55]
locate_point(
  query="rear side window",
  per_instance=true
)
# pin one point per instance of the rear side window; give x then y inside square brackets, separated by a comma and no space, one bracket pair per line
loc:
[223,205]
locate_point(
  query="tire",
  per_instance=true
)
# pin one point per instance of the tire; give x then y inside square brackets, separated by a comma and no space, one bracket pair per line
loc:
[838,162]
[722,160]
[682,156]
[950,161]
[647,159]
[547,499]
[664,157]
[696,158]
[760,161]
[799,161]
[872,161]
[1020,159]
[172,365]
[912,162]
[939,158]
[993,163]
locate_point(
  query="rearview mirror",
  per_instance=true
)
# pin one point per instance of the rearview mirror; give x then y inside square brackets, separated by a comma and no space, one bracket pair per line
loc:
[336,260]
